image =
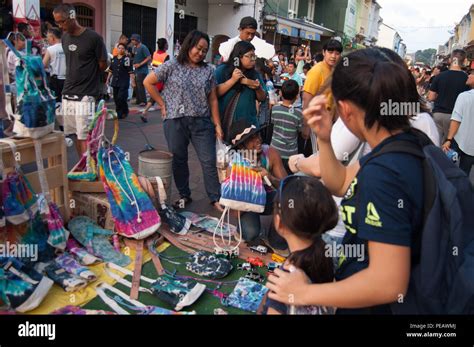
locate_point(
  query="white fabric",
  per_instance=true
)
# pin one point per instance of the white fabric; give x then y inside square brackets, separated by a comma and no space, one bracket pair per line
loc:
[463,112]
[12,62]
[262,48]
[344,142]
[424,122]
[57,62]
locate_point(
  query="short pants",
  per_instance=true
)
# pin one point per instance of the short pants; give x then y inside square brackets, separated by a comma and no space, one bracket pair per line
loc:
[77,114]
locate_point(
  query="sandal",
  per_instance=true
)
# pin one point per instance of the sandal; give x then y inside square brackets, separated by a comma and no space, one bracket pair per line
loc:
[182,202]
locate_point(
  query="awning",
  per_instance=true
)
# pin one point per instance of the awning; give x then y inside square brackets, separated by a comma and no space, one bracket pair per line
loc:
[299,28]
[309,35]
[287,30]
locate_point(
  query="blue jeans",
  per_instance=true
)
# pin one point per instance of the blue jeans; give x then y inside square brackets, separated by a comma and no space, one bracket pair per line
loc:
[200,132]
[252,228]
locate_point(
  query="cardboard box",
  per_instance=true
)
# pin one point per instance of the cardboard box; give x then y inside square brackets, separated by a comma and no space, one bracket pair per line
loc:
[95,206]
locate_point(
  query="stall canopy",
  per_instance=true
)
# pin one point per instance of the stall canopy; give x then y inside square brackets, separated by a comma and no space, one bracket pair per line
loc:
[299,28]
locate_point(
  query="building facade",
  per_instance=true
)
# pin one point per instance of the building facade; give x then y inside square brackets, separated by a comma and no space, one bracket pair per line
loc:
[390,38]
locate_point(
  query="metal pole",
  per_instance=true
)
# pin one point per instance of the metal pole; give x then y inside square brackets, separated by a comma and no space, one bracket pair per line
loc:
[276,16]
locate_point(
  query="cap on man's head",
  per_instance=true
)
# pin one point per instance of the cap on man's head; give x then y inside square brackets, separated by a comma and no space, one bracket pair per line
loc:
[248,22]
[136,37]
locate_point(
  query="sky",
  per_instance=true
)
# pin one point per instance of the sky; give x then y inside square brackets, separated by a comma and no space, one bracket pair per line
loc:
[423,24]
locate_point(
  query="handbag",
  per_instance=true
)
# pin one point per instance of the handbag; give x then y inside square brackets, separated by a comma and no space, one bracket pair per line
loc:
[243,191]
[86,168]
[228,116]
[267,132]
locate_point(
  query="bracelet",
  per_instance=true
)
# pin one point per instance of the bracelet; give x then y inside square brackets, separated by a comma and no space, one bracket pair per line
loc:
[450,140]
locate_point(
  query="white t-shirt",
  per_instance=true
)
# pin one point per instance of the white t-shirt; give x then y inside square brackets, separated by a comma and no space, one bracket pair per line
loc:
[57,62]
[463,112]
[12,62]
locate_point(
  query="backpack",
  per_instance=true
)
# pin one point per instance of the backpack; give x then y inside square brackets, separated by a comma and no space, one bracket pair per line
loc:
[243,191]
[442,275]
[36,110]
[132,210]
[86,168]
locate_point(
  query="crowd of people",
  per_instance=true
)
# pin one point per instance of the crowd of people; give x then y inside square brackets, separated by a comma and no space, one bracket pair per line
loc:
[324,154]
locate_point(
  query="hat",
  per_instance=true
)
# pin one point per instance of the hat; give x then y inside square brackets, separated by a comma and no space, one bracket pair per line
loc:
[136,37]
[241,131]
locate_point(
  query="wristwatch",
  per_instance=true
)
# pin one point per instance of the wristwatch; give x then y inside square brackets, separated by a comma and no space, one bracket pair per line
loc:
[450,140]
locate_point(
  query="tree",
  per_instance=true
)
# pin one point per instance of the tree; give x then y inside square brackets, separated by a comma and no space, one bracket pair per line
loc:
[426,56]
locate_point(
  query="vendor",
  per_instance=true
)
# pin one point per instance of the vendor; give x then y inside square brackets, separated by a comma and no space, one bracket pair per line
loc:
[246,140]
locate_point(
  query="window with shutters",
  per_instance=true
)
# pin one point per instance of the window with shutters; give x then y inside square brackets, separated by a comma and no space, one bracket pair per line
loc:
[85,15]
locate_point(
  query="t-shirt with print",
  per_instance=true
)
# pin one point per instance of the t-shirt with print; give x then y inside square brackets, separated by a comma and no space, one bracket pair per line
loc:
[448,85]
[287,123]
[186,89]
[383,204]
[83,54]
[141,54]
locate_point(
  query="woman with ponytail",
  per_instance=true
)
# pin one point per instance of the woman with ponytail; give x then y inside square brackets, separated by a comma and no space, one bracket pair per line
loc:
[304,210]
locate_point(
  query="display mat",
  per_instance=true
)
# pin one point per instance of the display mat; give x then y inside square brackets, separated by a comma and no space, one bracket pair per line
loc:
[204,305]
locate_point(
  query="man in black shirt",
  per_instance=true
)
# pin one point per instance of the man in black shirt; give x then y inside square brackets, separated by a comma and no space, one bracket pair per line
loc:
[86,59]
[444,91]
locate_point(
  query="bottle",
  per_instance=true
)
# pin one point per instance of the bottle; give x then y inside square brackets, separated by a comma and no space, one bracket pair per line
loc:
[271,93]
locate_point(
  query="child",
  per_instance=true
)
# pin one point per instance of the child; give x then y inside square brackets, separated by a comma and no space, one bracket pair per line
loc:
[304,209]
[288,122]
[119,79]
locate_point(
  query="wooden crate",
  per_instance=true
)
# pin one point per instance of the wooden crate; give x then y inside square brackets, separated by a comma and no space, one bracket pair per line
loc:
[54,151]
[86,187]
[93,205]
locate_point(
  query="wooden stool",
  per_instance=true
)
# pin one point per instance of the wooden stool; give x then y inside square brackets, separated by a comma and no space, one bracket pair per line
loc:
[137,245]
